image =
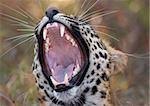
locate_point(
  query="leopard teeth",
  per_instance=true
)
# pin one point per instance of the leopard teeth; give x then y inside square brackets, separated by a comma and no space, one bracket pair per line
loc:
[54,81]
[77,69]
[67,37]
[62,30]
[44,33]
[66,81]
[71,40]
[51,25]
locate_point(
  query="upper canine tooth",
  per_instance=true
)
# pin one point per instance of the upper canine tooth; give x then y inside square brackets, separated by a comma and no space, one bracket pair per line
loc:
[62,30]
[44,33]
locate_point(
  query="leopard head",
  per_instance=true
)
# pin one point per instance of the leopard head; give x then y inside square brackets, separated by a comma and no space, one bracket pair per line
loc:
[72,65]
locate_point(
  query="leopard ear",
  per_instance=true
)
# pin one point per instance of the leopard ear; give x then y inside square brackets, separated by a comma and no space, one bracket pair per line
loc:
[118,60]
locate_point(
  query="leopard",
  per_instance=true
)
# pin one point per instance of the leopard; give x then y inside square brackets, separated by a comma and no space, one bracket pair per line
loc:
[72,64]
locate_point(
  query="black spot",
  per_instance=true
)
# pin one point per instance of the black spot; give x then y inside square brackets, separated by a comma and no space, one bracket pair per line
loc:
[85,33]
[90,40]
[36,66]
[46,93]
[82,29]
[96,55]
[94,63]
[98,66]
[56,101]
[92,35]
[103,94]
[88,30]
[45,82]
[104,47]
[42,87]
[108,66]
[86,89]
[99,45]
[104,77]
[98,81]
[40,100]
[91,80]
[35,81]
[61,103]
[88,76]
[33,67]
[96,36]
[94,90]
[92,73]
[105,56]
[100,53]
[82,99]
[38,75]
[95,47]
[44,98]
[97,74]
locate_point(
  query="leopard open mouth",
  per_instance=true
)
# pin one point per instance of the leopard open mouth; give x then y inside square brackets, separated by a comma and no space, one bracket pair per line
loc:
[65,58]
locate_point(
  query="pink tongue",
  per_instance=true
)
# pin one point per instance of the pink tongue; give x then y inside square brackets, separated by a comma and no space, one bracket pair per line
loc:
[60,71]
[61,56]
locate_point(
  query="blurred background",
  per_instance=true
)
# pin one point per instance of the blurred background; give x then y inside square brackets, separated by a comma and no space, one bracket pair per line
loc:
[130,25]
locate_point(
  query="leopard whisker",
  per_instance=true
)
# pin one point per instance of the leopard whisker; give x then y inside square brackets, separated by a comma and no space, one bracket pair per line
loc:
[102,26]
[25,30]
[15,46]
[104,34]
[30,46]
[89,8]
[83,4]
[20,36]
[14,18]
[29,15]
[17,23]
[92,13]
[17,39]
[41,7]
[14,10]
[24,25]
[102,15]
[138,56]
[108,35]
[97,15]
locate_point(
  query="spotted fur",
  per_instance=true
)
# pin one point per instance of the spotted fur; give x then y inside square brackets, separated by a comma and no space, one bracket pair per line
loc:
[95,88]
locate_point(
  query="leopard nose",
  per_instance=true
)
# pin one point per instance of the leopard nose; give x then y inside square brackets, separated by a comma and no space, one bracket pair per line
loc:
[51,12]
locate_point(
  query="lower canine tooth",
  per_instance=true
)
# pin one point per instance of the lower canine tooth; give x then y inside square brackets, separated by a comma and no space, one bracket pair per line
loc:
[77,69]
[66,79]
[54,81]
